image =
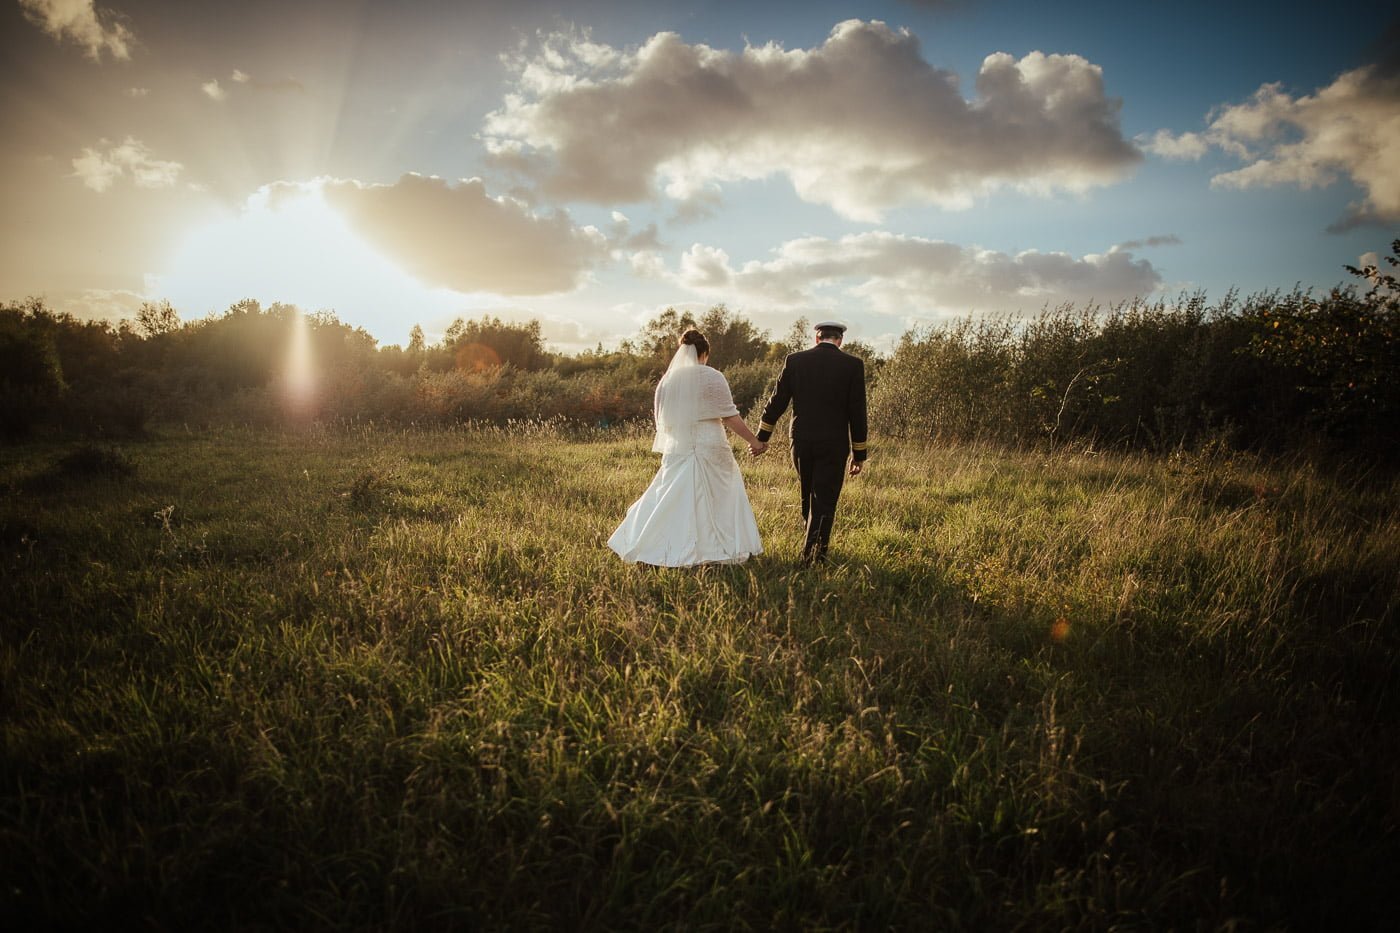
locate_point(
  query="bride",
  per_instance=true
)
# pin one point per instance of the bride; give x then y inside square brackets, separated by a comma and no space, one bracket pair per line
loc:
[695,511]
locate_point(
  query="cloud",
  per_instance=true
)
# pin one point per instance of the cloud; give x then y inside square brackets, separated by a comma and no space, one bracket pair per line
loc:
[100,168]
[1350,128]
[647,264]
[138,92]
[213,90]
[460,237]
[563,331]
[1166,239]
[860,123]
[80,21]
[897,274]
[1187,146]
[103,304]
[239,76]
[623,239]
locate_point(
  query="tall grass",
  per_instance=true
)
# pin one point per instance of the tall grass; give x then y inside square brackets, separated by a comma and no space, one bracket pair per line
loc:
[1272,372]
[384,679]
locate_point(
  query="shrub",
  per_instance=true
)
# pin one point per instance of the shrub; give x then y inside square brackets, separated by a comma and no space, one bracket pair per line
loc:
[1137,375]
[949,382]
[31,374]
[90,460]
[1342,353]
[751,384]
[116,411]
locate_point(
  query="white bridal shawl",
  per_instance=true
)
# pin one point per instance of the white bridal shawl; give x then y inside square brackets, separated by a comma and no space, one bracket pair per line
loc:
[688,394]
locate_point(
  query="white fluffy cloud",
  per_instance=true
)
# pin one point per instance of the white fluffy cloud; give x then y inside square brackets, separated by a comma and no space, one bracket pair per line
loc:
[100,168]
[1349,128]
[80,21]
[213,90]
[896,274]
[861,123]
[460,237]
[1170,145]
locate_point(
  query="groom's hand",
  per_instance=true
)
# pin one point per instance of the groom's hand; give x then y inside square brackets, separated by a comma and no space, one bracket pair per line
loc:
[856,467]
[757,448]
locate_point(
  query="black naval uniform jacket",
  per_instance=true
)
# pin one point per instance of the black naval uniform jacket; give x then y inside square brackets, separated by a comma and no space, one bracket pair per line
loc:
[827,390]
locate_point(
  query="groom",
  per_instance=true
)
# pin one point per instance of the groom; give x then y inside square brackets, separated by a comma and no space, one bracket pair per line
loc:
[827,390]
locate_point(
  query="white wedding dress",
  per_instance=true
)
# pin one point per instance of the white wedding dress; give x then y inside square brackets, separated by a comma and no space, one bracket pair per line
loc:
[696,510]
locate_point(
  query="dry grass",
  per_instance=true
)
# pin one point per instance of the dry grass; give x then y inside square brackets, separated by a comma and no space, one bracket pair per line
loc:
[396,680]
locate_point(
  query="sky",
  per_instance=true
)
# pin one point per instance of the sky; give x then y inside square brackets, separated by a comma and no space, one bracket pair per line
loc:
[589,164]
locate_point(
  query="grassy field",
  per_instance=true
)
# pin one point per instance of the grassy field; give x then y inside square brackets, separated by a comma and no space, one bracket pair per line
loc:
[373,679]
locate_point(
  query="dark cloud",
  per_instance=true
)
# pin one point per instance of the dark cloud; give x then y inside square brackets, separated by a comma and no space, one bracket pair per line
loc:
[1168,239]
[460,237]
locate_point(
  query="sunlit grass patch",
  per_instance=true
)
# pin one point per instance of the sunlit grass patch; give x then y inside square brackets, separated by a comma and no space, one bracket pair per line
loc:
[383,678]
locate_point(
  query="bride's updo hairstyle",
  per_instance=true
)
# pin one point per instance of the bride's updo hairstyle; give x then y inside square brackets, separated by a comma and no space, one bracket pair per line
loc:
[696,340]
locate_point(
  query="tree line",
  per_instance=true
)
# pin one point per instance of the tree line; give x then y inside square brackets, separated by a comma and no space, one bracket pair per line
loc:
[58,372]
[1275,370]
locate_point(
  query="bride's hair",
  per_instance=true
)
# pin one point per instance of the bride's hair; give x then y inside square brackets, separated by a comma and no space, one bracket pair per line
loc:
[696,340]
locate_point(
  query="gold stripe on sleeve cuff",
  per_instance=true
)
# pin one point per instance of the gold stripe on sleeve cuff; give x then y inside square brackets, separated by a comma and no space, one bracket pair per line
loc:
[765,426]
[858,445]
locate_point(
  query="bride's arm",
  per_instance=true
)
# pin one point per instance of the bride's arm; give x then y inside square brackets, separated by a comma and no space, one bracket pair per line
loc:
[736,424]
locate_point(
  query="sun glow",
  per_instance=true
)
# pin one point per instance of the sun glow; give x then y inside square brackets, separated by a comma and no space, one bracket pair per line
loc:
[300,377]
[286,244]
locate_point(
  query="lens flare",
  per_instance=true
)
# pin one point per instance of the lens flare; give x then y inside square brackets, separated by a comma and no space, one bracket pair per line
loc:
[300,376]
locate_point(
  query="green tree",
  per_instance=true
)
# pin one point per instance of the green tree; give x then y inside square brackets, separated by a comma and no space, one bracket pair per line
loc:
[155,319]
[31,373]
[660,335]
[484,344]
[800,336]
[733,339]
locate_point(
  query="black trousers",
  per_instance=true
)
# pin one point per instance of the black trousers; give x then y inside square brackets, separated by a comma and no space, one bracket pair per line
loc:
[821,469]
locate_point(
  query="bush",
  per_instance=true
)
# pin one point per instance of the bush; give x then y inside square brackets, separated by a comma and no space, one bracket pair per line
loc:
[1137,375]
[22,410]
[751,384]
[949,382]
[90,460]
[118,412]
[1342,354]
[31,374]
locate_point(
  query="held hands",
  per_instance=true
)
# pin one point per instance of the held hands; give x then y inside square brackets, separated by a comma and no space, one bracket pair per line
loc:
[856,467]
[736,424]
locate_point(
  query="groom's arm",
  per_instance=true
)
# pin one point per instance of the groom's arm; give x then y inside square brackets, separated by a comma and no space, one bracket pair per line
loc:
[856,413]
[776,405]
